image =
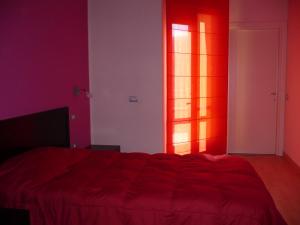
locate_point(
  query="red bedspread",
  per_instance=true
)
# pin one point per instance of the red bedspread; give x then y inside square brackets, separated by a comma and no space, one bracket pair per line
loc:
[82,187]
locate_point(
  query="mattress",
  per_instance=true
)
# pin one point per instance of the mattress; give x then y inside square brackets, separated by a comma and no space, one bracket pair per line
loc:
[61,186]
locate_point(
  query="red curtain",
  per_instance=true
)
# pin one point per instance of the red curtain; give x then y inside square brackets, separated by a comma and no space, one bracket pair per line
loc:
[197,74]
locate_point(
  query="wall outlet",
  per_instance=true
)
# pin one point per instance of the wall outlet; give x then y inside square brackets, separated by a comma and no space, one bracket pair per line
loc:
[76,91]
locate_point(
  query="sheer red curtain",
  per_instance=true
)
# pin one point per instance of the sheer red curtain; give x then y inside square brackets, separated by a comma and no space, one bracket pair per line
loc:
[197,74]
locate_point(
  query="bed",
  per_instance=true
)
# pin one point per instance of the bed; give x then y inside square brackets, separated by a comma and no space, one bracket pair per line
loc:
[61,186]
[41,129]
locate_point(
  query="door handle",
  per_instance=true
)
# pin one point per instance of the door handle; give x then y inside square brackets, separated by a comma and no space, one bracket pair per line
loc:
[273,93]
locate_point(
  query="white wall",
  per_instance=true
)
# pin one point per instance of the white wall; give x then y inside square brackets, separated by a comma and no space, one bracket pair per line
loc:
[262,14]
[125,39]
[258,10]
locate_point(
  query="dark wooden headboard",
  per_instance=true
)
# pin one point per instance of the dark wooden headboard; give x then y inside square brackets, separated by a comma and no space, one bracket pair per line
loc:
[20,134]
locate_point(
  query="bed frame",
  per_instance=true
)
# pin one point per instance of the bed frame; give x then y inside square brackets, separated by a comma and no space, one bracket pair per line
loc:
[23,133]
[20,134]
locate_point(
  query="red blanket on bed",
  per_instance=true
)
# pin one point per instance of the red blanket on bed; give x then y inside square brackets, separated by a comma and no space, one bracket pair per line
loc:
[82,187]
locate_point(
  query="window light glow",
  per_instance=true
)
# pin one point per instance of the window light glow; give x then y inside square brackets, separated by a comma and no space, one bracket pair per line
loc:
[182,87]
[202,136]
[203,87]
[182,73]
[182,68]
[182,138]
[180,27]
[203,70]
[179,30]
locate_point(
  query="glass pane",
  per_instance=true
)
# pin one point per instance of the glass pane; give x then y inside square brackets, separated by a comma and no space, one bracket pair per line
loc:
[202,145]
[182,87]
[182,64]
[182,138]
[182,148]
[203,74]
[203,65]
[202,107]
[181,38]
[202,136]
[182,108]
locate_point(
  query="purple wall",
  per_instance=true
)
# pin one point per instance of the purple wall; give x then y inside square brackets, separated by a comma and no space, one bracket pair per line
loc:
[43,54]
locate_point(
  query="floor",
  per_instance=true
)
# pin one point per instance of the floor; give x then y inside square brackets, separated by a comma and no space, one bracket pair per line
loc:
[282,178]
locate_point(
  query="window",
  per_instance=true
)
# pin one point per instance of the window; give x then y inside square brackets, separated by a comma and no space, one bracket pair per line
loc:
[197,77]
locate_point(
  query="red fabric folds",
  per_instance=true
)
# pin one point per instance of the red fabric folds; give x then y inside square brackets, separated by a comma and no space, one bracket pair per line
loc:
[67,187]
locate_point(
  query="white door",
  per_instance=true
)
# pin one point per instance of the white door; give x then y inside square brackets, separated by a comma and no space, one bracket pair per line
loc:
[253,72]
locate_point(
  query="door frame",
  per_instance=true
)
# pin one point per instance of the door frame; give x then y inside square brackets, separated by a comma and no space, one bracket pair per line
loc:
[281,76]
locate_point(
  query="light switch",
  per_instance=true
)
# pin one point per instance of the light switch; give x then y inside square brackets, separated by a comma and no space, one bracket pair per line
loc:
[133,99]
[76,91]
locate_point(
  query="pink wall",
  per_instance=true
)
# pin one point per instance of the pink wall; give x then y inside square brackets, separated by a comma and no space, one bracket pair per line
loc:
[292,129]
[254,11]
[43,54]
